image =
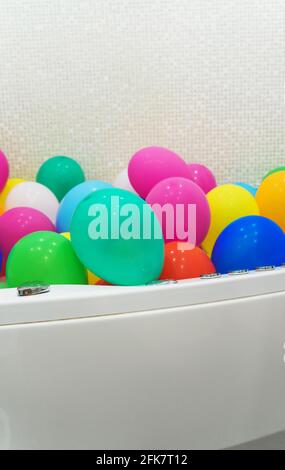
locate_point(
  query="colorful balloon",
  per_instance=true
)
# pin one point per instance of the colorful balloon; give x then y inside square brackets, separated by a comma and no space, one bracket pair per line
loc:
[122,181]
[151,165]
[117,236]
[101,282]
[275,170]
[92,278]
[248,243]
[182,261]
[66,235]
[179,224]
[248,187]
[202,176]
[46,257]
[60,175]
[72,199]
[17,223]
[11,183]
[270,198]
[35,195]
[228,202]
[4,170]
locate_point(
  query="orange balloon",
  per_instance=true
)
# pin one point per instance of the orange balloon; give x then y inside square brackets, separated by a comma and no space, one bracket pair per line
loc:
[182,261]
[270,198]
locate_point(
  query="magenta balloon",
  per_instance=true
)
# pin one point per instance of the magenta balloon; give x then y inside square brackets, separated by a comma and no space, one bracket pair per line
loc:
[4,170]
[151,165]
[17,223]
[182,191]
[202,176]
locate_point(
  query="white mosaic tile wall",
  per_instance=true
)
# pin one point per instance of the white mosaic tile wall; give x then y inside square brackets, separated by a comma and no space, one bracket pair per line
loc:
[98,79]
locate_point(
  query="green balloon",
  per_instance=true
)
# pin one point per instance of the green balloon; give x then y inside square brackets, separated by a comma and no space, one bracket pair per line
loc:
[116,235]
[46,257]
[60,175]
[275,170]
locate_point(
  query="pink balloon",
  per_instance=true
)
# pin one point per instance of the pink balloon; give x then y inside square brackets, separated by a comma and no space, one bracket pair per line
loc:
[17,223]
[178,193]
[4,170]
[202,176]
[151,165]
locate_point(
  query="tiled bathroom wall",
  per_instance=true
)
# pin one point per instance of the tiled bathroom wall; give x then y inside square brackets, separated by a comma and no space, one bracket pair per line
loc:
[98,79]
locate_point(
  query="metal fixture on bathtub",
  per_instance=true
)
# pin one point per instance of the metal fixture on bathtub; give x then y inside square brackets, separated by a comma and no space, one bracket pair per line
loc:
[210,276]
[266,268]
[238,272]
[162,282]
[32,288]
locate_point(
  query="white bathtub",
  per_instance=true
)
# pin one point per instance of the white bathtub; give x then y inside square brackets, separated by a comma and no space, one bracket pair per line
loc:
[193,365]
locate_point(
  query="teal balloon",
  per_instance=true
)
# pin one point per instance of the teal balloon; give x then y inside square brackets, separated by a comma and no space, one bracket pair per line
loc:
[248,187]
[116,235]
[60,174]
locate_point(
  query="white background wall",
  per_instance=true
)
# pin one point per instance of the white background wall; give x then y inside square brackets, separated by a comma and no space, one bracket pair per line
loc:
[97,79]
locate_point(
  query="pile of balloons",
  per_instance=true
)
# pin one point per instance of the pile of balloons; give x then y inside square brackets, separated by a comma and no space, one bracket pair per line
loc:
[49,227]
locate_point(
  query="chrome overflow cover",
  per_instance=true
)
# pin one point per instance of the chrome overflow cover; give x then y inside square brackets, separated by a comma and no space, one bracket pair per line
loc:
[210,276]
[162,282]
[32,288]
[265,268]
[238,272]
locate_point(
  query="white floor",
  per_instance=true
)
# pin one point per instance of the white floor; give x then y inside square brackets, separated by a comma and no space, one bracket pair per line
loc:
[273,442]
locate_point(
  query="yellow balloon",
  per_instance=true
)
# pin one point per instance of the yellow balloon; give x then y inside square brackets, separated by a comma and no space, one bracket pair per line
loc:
[66,235]
[227,202]
[11,183]
[270,198]
[92,278]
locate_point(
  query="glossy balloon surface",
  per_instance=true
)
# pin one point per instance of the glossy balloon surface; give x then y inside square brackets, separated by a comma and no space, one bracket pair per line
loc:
[183,261]
[107,233]
[60,174]
[248,243]
[46,257]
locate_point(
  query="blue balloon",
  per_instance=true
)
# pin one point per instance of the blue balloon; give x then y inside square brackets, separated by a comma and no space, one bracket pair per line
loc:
[248,243]
[248,187]
[72,199]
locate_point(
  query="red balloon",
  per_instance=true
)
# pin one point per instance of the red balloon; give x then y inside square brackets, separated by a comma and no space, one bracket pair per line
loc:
[182,261]
[102,283]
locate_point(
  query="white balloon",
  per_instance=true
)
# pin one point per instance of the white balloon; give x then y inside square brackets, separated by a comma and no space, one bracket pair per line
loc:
[35,195]
[122,181]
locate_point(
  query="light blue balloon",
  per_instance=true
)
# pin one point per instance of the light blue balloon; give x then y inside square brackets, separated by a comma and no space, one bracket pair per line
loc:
[248,187]
[72,199]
